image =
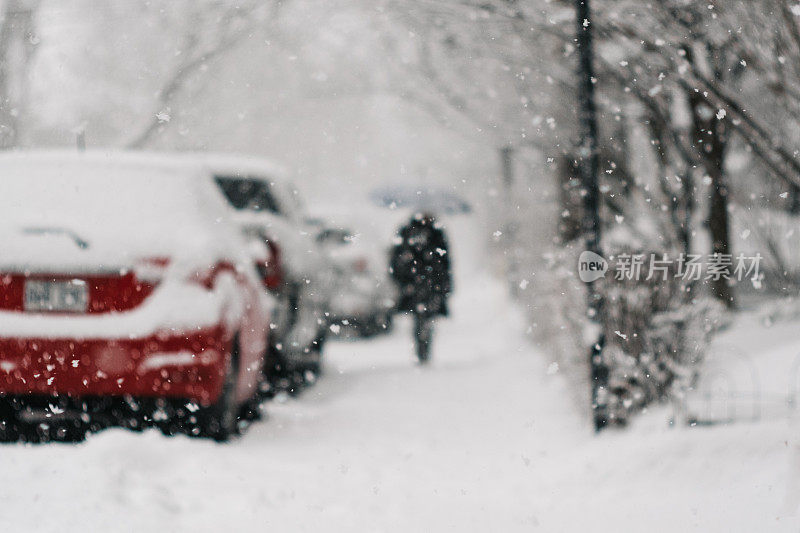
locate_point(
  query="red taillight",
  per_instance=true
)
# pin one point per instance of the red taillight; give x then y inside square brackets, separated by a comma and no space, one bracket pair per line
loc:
[272,273]
[12,290]
[151,269]
[118,293]
[207,277]
[130,289]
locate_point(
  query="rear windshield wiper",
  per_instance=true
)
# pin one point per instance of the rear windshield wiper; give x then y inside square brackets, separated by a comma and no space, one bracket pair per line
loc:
[79,242]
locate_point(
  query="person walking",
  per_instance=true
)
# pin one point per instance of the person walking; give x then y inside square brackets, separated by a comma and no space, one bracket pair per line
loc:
[420,265]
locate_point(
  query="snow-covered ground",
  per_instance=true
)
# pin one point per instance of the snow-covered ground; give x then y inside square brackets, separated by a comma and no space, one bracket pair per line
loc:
[484,439]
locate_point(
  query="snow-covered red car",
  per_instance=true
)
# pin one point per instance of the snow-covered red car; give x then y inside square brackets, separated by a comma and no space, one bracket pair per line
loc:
[124,294]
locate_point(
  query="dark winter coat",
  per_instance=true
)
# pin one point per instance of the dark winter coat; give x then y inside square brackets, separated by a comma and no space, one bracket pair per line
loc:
[420,264]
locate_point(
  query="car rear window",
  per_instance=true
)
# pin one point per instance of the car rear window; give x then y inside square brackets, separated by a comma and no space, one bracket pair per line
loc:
[248,194]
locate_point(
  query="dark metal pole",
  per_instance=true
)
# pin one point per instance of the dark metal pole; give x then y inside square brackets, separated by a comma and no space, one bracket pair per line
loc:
[587,112]
[589,169]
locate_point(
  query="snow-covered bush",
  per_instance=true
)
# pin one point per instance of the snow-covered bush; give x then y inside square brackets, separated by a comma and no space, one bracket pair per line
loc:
[655,333]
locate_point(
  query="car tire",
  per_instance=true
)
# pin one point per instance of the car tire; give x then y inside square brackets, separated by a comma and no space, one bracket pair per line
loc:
[276,364]
[386,323]
[317,346]
[377,324]
[219,421]
[9,423]
[14,429]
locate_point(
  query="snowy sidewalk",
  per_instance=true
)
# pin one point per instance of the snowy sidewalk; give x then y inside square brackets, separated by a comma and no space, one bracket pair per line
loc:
[752,372]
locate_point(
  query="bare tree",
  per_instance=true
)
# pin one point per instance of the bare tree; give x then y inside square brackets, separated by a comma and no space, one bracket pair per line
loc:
[17,46]
[702,80]
[213,29]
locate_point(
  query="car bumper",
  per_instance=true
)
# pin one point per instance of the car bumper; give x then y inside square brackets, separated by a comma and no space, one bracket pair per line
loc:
[164,365]
[360,299]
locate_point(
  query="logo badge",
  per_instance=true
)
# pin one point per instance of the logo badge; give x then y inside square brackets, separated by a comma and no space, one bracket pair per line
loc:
[591,266]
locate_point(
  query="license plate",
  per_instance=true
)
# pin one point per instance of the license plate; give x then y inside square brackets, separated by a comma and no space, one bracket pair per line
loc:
[70,295]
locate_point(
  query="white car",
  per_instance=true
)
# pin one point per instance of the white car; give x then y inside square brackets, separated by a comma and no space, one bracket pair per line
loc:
[267,208]
[365,295]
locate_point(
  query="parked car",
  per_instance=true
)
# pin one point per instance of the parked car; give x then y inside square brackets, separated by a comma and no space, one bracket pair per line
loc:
[125,297]
[365,295]
[266,207]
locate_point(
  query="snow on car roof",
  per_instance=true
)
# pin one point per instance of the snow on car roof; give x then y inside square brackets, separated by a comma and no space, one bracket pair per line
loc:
[117,203]
[237,164]
[175,161]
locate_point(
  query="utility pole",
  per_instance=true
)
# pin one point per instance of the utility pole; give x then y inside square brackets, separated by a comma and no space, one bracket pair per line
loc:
[589,168]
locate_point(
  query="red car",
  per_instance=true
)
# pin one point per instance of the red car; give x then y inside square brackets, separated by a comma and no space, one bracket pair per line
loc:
[125,297]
